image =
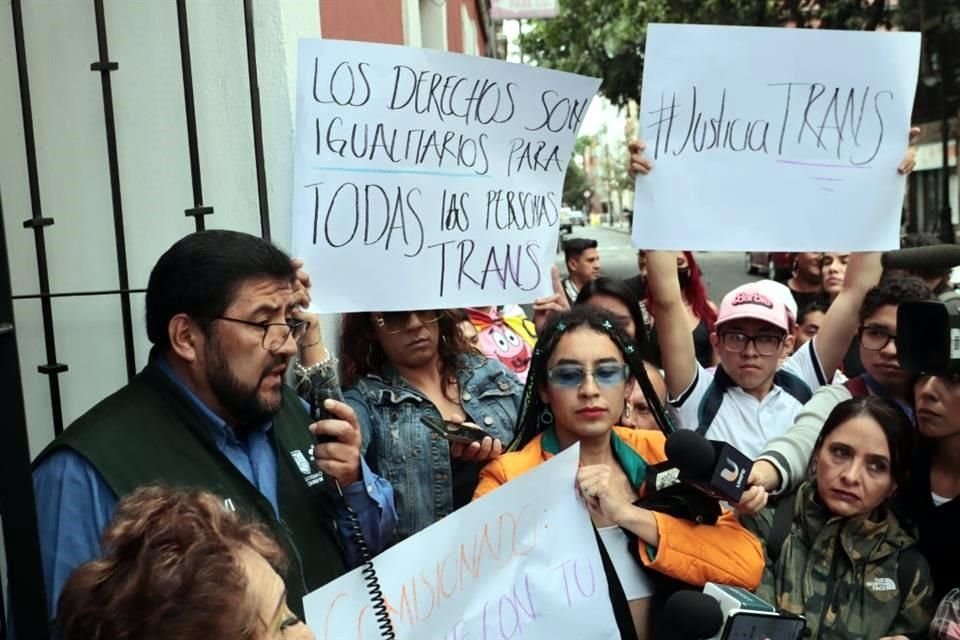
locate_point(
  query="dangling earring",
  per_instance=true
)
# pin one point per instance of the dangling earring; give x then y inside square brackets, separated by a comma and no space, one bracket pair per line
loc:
[627,410]
[546,416]
[370,357]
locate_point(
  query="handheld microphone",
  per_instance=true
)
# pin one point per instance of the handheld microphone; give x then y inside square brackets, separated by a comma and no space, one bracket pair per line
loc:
[715,468]
[940,256]
[722,612]
[319,389]
[668,491]
[688,455]
[692,615]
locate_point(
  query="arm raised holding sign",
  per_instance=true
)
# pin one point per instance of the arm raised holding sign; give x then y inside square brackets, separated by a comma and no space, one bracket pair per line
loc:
[673,333]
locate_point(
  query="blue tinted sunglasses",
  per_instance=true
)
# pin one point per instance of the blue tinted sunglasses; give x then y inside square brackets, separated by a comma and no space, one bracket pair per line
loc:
[572,376]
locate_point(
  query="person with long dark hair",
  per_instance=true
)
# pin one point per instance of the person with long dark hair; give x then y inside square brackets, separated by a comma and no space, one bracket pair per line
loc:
[401,366]
[836,551]
[578,384]
[616,297]
[934,496]
[619,301]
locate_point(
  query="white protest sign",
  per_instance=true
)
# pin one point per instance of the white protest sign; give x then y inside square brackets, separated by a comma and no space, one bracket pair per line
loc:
[774,139]
[427,180]
[522,562]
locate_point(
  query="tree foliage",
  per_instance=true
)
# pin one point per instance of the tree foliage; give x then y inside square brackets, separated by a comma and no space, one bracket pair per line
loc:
[606,38]
[574,184]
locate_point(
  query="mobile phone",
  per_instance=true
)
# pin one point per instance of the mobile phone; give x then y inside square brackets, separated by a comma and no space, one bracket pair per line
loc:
[455,432]
[746,625]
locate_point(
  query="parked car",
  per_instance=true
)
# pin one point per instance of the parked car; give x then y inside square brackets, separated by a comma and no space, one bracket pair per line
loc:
[577,218]
[566,220]
[777,265]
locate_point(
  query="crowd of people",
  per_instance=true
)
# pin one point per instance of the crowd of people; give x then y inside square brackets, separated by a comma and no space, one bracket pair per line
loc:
[195,502]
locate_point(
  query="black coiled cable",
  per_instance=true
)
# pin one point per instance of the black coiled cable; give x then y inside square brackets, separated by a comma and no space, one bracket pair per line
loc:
[369,572]
[318,391]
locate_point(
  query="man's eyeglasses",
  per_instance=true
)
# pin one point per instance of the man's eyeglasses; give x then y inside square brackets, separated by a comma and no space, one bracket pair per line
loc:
[572,376]
[737,341]
[397,321]
[275,334]
[874,338]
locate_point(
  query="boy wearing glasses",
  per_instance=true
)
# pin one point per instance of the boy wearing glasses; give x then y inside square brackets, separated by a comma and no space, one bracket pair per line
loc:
[751,397]
[783,463]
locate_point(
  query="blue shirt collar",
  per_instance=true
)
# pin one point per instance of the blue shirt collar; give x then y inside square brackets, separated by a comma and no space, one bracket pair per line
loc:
[220,430]
[878,390]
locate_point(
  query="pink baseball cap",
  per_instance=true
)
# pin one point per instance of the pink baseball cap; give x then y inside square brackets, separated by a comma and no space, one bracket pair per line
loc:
[755,301]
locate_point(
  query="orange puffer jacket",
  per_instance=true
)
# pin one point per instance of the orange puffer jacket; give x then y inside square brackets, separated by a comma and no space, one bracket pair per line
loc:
[725,552]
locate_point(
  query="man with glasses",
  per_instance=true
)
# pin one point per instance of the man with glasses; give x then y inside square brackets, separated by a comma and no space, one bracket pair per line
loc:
[402,366]
[783,463]
[751,397]
[210,410]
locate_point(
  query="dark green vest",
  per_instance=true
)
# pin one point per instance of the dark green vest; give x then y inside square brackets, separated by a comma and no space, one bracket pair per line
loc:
[150,432]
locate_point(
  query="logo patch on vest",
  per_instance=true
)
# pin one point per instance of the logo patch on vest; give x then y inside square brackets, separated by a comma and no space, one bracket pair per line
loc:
[301,461]
[882,584]
[752,298]
[310,476]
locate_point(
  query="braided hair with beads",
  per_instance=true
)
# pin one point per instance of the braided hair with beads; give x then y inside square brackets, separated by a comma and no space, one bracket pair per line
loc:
[533,410]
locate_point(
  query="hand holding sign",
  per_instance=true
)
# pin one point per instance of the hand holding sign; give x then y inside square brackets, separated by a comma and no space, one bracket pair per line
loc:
[639,163]
[544,308]
[910,157]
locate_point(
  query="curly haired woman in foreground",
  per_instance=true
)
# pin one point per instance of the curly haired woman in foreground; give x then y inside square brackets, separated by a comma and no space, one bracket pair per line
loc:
[177,564]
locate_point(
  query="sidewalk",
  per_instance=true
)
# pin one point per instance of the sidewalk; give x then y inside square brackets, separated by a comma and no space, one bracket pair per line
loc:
[620,226]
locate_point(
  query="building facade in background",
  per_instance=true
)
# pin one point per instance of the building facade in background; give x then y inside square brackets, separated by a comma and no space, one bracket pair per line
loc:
[460,26]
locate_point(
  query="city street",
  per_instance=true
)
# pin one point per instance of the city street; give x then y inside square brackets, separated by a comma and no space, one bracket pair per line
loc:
[722,270]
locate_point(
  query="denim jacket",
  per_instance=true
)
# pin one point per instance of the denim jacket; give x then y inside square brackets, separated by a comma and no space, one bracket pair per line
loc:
[413,459]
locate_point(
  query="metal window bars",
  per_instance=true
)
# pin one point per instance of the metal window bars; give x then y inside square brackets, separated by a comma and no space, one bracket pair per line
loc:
[17,506]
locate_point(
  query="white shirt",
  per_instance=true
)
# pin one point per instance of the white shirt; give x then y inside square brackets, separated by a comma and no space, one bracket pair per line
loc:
[743,421]
[938,500]
[632,577]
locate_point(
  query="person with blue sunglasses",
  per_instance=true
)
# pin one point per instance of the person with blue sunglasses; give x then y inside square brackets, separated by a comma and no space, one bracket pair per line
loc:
[578,384]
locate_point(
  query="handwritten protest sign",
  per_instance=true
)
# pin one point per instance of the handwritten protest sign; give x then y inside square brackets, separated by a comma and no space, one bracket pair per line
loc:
[522,562]
[428,180]
[774,139]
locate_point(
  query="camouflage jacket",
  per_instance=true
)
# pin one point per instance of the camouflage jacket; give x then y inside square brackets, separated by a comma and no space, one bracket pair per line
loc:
[841,573]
